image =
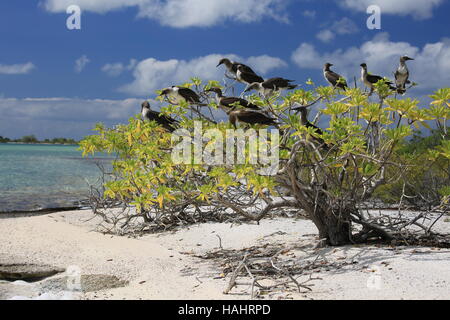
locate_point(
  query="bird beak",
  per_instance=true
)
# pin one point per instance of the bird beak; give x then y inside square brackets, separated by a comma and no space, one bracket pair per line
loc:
[219,65]
[410,59]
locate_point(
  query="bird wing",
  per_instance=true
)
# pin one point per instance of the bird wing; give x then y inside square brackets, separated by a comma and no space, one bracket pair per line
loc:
[230,101]
[373,78]
[245,68]
[165,121]
[334,78]
[275,83]
[189,95]
[251,77]
[163,118]
[253,117]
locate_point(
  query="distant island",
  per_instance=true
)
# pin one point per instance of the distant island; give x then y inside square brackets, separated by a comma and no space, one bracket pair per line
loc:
[31,139]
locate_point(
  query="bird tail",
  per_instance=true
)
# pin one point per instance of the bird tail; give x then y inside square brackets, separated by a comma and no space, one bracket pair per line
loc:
[342,86]
[292,87]
[401,89]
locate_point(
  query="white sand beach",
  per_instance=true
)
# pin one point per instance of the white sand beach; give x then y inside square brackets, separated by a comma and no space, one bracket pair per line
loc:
[163,266]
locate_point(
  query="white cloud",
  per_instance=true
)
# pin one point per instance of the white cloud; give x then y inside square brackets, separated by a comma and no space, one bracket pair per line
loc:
[16,68]
[61,117]
[116,69]
[81,63]
[309,14]
[151,74]
[265,63]
[325,35]
[419,9]
[344,26]
[113,69]
[431,68]
[184,13]
[340,27]
[98,6]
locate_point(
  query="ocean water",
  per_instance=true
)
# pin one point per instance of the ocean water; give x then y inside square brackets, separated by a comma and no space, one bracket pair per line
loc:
[37,177]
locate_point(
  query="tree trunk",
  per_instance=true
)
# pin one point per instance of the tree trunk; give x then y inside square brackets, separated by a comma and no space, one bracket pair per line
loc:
[335,230]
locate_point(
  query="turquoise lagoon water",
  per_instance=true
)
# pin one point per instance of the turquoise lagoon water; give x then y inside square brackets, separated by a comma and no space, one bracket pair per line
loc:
[36,177]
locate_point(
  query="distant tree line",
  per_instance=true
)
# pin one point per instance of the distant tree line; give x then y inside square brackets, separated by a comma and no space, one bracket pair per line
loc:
[33,139]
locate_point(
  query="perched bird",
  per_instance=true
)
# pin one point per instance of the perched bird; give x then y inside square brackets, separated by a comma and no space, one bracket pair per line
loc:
[242,75]
[269,87]
[149,115]
[227,103]
[336,80]
[250,117]
[181,94]
[232,66]
[402,75]
[369,80]
[305,122]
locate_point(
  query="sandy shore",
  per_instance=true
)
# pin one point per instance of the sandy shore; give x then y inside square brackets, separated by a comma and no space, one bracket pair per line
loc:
[162,266]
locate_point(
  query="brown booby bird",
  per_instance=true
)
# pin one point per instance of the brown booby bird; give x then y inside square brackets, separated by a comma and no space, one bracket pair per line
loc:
[181,94]
[402,75]
[370,80]
[149,115]
[305,122]
[242,75]
[336,80]
[269,87]
[227,103]
[232,66]
[250,117]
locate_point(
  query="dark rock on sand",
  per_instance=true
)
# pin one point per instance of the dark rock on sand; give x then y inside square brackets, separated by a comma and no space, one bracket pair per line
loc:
[27,272]
[88,283]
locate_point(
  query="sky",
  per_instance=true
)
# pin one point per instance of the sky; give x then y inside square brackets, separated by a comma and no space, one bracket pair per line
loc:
[56,82]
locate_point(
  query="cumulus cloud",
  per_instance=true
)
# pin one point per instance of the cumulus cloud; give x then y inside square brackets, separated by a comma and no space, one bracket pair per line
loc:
[63,117]
[309,14]
[340,27]
[325,35]
[184,13]
[419,9]
[431,68]
[344,26]
[81,63]
[16,68]
[152,74]
[265,63]
[116,69]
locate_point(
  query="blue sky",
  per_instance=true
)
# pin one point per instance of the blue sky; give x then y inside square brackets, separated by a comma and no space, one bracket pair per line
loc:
[133,47]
